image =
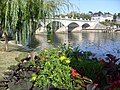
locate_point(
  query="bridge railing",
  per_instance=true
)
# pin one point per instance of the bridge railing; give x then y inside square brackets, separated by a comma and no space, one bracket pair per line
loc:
[72,19]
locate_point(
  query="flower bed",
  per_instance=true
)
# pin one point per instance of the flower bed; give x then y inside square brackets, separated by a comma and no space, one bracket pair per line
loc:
[61,69]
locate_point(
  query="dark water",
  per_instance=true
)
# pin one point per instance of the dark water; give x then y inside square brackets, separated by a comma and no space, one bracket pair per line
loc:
[100,43]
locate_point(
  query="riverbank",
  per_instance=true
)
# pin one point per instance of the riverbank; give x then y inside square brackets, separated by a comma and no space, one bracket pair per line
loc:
[8,58]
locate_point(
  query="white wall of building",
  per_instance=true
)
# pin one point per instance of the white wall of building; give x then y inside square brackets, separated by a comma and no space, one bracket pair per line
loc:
[101,18]
[118,19]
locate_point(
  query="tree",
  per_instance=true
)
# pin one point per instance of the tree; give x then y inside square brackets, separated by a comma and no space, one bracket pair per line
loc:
[119,15]
[20,16]
[114,17]
[90,12]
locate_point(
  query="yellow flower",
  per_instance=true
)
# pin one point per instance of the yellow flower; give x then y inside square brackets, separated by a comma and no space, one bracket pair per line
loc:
[34,76]
[49,41]
[46,50]
[62,58]
[54,48]
[71,48]
[59,51]
[68,61]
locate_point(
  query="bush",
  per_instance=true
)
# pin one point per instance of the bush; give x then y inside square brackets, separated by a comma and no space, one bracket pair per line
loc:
[54,69]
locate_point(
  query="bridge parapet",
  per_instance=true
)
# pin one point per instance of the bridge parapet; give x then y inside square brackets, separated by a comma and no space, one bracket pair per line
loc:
[71,19]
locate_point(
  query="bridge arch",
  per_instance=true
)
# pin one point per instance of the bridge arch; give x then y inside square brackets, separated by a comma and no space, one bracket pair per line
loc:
[85,25]
[72,26]
[54,25]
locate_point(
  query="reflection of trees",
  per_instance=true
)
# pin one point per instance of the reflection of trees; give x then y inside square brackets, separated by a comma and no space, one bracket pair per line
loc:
[42,39]
[75,37]
[60,38]
[33,42]
[95,42]
[56,39]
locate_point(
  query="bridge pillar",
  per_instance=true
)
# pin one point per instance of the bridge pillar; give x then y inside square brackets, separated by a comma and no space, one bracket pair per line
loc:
[77,29]
[41,30]
[63,29]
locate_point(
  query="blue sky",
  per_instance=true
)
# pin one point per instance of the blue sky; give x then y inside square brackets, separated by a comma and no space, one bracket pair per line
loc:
[84,6]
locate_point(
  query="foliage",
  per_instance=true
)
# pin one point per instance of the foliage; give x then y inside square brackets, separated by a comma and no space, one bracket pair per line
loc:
[54,70]
[78,15]
[63,68]
[19,76]
[79,80]
[21,17]
[109,23]
[113,22]
[16,11]
[118,15]
[80,61]
[91,69]
[75,15]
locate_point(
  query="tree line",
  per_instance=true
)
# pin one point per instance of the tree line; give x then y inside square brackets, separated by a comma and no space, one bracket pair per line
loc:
[75,15]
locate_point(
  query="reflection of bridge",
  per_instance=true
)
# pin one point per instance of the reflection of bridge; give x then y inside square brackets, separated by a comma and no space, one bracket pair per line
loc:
[116,30]
[67,25]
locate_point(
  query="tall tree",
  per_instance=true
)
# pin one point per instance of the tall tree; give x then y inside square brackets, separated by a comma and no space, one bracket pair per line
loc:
[119,15]
[114,17]
[21,15]
[90,12]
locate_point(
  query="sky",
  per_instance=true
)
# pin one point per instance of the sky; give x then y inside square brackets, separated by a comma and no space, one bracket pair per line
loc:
[84,6]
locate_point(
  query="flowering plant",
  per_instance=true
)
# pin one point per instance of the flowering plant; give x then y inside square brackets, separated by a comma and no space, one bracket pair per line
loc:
[55,69]
[64,68]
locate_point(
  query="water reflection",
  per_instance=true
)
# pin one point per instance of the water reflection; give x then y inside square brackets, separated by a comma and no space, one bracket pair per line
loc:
[96,42]
[42,39]
[60,38]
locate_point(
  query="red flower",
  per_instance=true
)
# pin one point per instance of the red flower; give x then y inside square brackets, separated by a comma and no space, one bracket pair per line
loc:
[74,72]
[102,60]
[115,84]
[112,57]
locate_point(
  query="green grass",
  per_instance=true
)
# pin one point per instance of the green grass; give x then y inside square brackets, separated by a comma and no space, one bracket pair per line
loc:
[8,58]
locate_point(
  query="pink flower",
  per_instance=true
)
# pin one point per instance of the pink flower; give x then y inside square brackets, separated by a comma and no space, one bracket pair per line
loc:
[96,84]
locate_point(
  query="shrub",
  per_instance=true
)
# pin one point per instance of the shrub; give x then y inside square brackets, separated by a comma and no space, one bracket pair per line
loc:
[54,69]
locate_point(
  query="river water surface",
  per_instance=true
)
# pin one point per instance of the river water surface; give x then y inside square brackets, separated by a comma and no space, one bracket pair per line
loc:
[100,43]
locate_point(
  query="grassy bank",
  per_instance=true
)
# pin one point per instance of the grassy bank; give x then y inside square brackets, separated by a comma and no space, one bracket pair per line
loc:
[8,58]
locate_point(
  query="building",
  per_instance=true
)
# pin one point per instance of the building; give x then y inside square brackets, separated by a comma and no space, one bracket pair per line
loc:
[101,16]
[118,19]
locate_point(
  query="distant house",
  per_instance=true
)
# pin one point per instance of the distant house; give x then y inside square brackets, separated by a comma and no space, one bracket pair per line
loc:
[118,19]
[101,16]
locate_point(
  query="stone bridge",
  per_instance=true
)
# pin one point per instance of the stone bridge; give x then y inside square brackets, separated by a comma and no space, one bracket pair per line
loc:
[63,25]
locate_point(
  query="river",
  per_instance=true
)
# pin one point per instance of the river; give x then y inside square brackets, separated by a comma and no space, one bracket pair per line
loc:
[96,42]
